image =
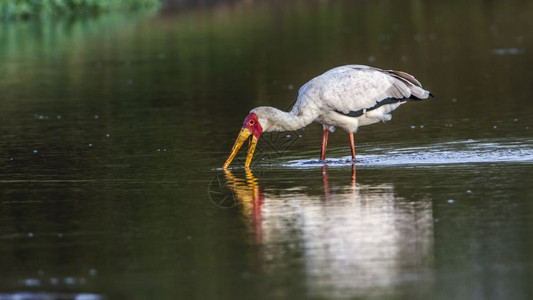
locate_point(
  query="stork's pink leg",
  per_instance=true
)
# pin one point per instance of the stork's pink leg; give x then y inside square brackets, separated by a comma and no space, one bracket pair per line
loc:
[324,143]
[352,145]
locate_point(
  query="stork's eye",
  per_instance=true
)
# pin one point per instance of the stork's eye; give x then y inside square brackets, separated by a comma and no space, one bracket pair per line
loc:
[252,123]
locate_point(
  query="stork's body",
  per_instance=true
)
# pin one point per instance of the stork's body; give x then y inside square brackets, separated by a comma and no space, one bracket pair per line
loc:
[346,97]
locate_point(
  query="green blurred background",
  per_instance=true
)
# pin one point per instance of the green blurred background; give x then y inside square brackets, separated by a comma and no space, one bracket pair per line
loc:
[16,9]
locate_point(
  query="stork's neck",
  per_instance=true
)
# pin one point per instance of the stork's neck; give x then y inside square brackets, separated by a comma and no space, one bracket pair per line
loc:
[273,119]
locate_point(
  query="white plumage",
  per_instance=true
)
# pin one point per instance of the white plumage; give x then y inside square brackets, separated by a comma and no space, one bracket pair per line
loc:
[347,97]
[328,98]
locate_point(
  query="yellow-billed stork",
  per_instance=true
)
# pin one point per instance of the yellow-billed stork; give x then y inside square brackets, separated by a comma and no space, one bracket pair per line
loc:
[347,97]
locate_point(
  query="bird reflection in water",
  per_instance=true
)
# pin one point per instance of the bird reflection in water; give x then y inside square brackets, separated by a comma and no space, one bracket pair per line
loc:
[354,240]
[325,181]
[248,195]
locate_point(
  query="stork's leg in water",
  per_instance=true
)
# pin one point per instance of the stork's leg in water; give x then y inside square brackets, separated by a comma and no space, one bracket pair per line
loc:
[352,145]
[324,143]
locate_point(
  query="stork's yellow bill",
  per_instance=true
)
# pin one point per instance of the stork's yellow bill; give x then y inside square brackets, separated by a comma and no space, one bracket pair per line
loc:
[251,129]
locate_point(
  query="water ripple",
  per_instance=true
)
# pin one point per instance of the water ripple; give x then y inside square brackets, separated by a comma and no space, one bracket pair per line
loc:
[50,296]
[456,152]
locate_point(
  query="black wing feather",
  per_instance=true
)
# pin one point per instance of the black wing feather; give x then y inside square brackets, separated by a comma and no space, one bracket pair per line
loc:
[358,113]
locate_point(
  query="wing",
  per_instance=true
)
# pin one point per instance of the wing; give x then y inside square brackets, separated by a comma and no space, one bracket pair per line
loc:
[354,89]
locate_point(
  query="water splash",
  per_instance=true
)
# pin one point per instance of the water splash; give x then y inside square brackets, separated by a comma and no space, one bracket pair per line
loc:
[456,152]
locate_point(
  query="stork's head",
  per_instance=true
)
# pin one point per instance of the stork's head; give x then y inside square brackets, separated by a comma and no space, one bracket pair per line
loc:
[250,129]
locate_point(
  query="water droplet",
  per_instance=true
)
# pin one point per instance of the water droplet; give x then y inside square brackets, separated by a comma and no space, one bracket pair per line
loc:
[59,235]
[413,126]
[468,191]
[371,59]
[107,135]
[421,126]
[93,272]
[451,201]
[69,280]
[516,120]
[96,117]
[54,281]
[290,87]
[494,126]
[30,234]
[58,117]
[90,145]
[288,136]
[454,99]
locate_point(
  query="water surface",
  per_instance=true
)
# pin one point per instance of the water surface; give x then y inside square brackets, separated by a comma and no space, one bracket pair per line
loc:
[114,129]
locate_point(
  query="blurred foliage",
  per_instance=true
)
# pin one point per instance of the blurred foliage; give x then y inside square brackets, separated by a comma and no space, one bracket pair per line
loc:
[12,9]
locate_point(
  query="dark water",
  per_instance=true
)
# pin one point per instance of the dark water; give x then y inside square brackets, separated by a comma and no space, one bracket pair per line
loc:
[114,129]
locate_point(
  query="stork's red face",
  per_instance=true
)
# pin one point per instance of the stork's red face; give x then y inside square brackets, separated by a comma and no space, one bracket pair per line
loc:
[251,123]
[250,127]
